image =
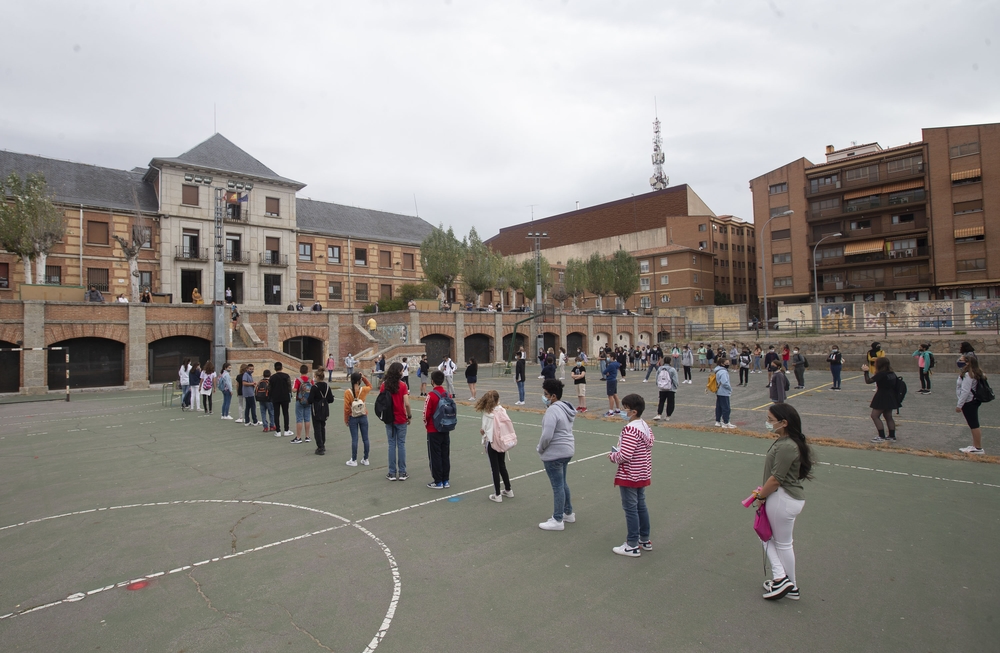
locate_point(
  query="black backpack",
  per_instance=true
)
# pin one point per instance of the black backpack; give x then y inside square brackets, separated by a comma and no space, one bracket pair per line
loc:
[900,389]
[384,409]
[261,392]
[320,407]
[930,366]
[983,392]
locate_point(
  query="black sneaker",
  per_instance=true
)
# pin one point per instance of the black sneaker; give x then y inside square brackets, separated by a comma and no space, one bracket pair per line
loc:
[779,588]
[402,477]
[879,439]
[891,438]
[647,545]
[295,441]
[390,477]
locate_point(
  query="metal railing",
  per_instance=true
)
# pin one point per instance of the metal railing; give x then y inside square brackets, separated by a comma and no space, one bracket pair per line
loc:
[241,258]
[190,253]
[274,258]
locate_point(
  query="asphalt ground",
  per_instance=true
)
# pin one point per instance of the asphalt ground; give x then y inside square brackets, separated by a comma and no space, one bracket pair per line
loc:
[126,526]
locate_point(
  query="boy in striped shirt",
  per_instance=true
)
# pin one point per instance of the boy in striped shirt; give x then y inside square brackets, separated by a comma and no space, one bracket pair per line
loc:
[633,455]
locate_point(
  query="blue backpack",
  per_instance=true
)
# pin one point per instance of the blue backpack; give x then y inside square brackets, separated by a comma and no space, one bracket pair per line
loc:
[445,416]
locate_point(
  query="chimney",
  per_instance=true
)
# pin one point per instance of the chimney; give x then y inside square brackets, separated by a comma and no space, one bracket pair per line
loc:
[578,205]
[830,149]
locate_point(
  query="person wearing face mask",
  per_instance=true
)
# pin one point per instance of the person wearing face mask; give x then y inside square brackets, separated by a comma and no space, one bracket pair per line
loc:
[836,361]
[556,447]
[633,455]
[778,389]
[799,365]
[769,358]
[963,349]
[787,464]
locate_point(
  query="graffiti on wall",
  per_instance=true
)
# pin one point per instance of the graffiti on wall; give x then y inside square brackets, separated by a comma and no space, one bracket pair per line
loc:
[984,313]
[934,315]
[837,316]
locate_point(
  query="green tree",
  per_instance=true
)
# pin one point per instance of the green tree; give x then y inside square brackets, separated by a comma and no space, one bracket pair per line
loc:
[441,257]
[625,275]
[721,299]
[30,225]
[599,277]
[410,291]
[575,280]
[477,268]
[528,278]
[515,278]
[503,273]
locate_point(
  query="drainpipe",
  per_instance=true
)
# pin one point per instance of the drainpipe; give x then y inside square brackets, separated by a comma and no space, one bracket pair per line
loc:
[350,264]
[82,283]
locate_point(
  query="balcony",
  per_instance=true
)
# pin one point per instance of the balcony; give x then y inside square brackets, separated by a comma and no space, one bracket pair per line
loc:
[874,257]
[883,201]
[182,253]
[237,258]
[274,259]
[898,283]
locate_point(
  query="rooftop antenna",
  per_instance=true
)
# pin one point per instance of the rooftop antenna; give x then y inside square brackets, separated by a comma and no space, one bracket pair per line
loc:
[659,180]
[215,121]
[415,205]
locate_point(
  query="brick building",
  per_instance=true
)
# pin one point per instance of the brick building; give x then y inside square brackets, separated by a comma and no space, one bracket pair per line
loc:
[912,220]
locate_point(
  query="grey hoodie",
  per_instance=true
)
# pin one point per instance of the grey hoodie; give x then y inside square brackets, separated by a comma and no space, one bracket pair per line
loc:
[557,432]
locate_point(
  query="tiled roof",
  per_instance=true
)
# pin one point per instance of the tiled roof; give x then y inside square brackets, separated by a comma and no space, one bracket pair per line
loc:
[365,224]
[81,183]
[220,154]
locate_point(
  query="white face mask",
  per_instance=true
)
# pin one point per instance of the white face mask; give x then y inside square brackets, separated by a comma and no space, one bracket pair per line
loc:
[546,401]
[796,351]
[769,426]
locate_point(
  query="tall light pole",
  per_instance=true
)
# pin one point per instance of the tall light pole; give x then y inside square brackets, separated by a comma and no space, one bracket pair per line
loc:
[815,277]
[763,262]
[538,236]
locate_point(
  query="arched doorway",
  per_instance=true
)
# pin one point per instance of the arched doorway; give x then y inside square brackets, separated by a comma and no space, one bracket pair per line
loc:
[522,341]
[480,347]
[551,341]
[10,380]
[662,336]
[307,348]
[167,354]
[93,363]
[575,341]
[438,346]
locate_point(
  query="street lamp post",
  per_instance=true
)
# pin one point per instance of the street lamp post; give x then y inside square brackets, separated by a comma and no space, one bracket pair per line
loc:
[537,236]
[816,316]
[763,266]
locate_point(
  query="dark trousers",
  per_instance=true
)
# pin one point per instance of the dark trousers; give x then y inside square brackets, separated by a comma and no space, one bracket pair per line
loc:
[744,375]
[319,433]
[925,380]
[249,410]
[667,396]
[800,375]
[206,402]
[439,451]
[498,464]
[687,372]
[281,408]
[835,372]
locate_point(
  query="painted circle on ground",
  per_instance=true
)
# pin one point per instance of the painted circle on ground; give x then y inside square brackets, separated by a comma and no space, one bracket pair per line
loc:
[140,583]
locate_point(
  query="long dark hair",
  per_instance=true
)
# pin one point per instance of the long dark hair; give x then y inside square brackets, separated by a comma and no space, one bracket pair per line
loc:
[393,377]
[788,414]
[883,365]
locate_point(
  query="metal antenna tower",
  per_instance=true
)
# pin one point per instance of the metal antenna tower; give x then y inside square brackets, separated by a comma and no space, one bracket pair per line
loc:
[658,181]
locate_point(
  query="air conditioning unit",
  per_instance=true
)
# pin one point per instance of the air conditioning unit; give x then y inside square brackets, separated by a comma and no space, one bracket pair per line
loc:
[893,253]
[840,285]
[909,253]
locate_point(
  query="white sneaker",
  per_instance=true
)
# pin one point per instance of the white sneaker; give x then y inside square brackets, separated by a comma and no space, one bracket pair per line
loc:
[518,403]
[365,462]
[507,493]
[472,398]
[238,421]
[259,424]
[727,425]
[627,551]
[645,380]
[278,434]
[971,449]
[552,525]
[569,518]
[496,498]
[718,423]
[289,433]
[352,463]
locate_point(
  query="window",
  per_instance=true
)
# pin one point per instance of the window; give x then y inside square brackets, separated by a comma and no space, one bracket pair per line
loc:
[908,243]
[305,289]
[963,150]
[189,195]
[53,275]
[774,189]
[643,267]
[723,230]
[361,292]
[409,262]
[272,289]
[664,279]
[385,291]
[663,261]
[234,248]
[333,253]
[305,251]
[867,275]
[781,282]
[384,259]
[702,245]
[861,203]
[833,277]
[272,249]
[97,233]
[145,279]
[907,165]
[972,265]
[361,258]
[778,210]
[782,258]
[823,205]
[335,291]
[969,177]
[272,207]
[861,224]
[905,271]
[665,299]
[146,233]
[4,275]
[904,218]
[644,302]
[694,278]
[562,279]
[644,283]
[864,173]
[781,234]
[703,227]
[831,252]
[970,239]
[907,196]
[972,206]
[98,277]
[189,248]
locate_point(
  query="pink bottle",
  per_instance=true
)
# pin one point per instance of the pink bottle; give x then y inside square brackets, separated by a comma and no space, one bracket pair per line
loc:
[750,499]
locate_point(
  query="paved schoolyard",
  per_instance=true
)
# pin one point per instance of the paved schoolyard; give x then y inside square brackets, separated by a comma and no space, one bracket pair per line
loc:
[130,527]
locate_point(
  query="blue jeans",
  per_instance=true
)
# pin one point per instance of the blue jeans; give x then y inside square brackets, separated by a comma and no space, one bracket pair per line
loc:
[227,399]
[604,364]
[520,390]
[636,515]
[396,433]
[186,397]
[835,371]
[356,423]
[722,409]
[267,413]
[249,410]
[652,370]
[561,505]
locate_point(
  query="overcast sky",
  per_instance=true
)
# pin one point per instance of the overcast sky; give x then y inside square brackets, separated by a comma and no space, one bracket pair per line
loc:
[479,110]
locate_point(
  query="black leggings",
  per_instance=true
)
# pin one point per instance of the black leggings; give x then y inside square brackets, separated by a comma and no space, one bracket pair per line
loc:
[281,408]
[499,466]
[206,402]
[744,375]
[687,372]
[970,410]
[925,380]
[668,396]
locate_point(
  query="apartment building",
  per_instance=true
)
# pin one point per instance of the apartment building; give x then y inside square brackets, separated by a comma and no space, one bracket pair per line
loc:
[903,223]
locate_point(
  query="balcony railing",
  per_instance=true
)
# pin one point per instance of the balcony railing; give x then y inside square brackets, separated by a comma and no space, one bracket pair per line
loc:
[238,258]
[916,196]
[274,258]
[182,253]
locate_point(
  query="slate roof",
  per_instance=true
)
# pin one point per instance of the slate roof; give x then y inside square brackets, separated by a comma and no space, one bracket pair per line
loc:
[220,154]
[81,183]
[365,224]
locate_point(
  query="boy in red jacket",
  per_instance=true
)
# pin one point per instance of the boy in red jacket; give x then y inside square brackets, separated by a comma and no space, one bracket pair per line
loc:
[633,455]
[438,444]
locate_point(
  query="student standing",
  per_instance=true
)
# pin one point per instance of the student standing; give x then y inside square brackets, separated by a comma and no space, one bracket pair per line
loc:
[786,354]
[757,355]
[722,395]
[968,381]
[556,447]
[331,364]
[611,376]
[263,399]
[836,361]
[239,394]
[184,383]
[799,364]
[226,388]
[448,367]
[320,398]
[194,380]
[406,372]
[769,358]
[634,458]
[687,361]
[280,394]
[519,372]
[778,388]
[654,362]
[885,400]
[548,368]
[207,386]
[787,464]
[666,382]
[486,405]
[356,416]
[396,432]
[303,413]
[438,444]
[702,353]
[745,367]
[710,357]
[561,363]
[249,400]
[471,376]
[349,363]
[579,376]
[424,374]
[925,360]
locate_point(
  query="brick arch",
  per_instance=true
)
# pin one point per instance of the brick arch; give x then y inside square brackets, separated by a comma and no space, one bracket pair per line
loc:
[299,330]
[160,331]
[480,330]
[11,333]
[437,330]
[59,332]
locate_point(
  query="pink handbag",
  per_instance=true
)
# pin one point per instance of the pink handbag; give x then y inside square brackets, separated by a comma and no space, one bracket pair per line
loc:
[761,525]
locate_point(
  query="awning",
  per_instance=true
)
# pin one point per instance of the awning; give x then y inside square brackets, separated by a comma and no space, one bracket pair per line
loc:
[969,232]
[888,188]
[864,247]
[967,174]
